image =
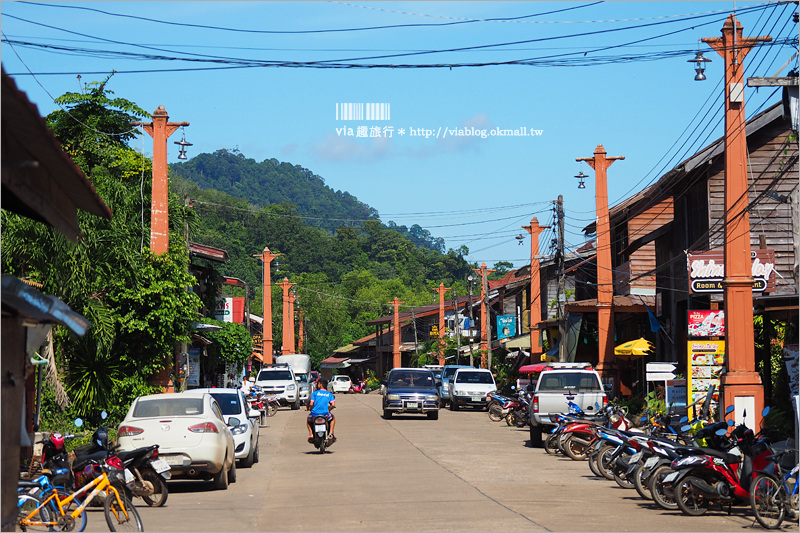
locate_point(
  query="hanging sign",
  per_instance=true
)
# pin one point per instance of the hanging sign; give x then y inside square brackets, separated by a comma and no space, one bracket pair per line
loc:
[707,270]
[706,323]
[506,326]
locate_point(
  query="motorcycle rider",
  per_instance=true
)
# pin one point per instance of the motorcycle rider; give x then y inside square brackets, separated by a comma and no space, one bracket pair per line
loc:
[320,403]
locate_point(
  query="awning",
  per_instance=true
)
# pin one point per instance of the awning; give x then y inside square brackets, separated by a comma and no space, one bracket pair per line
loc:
[523,341]
[335,362]
[26,301]
[347,349]
[256,356]
[532,369]
[634,349]
[364,360]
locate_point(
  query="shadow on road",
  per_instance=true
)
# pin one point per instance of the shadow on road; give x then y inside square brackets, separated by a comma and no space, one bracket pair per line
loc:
[190,485]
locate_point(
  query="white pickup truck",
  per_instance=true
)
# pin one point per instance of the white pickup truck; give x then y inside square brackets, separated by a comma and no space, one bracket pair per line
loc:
[557,386]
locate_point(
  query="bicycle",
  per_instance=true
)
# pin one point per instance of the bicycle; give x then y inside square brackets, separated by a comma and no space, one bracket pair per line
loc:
[771,499]
[41,489]
[120,513]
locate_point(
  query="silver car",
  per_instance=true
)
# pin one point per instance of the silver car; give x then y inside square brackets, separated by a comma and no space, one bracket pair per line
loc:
[245,435]
[190,430]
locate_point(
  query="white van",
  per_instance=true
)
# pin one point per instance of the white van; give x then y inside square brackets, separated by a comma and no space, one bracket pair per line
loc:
[470,386]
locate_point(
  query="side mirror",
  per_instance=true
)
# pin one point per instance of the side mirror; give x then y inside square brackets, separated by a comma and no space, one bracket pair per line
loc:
[513,387]
[643,419]
[731,423]
[729,410]
[103,415]
[765,412]
[721,432]
[686,428]
[78,422]
[684,420]
[254,413]
[383,382]
[233,422]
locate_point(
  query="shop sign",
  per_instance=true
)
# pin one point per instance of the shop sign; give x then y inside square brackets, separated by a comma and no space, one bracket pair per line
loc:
[506,326]
[258,340]
[193,373]
[224,310]
[707,270]
[706,323]
[706,360]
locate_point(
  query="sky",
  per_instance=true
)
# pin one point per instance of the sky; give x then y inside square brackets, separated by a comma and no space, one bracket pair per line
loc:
[570,75]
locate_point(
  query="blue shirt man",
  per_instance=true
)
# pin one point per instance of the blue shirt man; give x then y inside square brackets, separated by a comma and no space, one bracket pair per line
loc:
[320,404]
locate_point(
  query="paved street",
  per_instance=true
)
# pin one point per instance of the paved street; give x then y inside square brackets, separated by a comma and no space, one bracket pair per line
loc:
[460,473]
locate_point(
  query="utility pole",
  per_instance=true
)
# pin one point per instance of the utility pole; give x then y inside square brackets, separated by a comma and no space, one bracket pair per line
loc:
[414,323]
[486,329]
[266,334]
[535,309]
[561,296]
[287,346]
[397,360]
[441,290]
[300,339]
[741,381]
[456,325]
[159,130]
[605,280]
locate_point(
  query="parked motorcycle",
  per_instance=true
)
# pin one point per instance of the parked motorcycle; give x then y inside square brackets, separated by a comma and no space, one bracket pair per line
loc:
[359,385]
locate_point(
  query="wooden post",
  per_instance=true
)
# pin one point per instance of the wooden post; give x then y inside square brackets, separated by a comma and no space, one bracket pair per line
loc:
[441,290]
[287,346]
[535,309]
[397,361]
[266,335]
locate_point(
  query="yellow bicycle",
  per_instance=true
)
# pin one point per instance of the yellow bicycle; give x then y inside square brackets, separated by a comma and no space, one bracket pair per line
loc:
[53,511]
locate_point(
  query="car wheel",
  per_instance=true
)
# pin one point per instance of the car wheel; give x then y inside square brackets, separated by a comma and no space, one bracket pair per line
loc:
[221,479]
[536,436]
[248,461]
[255,454]
[387,414]
[454,405]
[433,415]
[232,473]
[296,405]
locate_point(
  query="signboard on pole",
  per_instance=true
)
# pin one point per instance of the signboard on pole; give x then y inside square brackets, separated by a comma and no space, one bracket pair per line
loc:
[676,393]
[706,323]
[506,326]
[660,376]
[660,367]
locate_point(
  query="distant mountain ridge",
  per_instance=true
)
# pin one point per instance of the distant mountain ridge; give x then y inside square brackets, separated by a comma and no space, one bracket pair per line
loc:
[274,182]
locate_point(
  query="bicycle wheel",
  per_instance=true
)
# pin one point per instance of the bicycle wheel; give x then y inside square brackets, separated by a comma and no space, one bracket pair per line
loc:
[27,504]
[121,518]
[767,498]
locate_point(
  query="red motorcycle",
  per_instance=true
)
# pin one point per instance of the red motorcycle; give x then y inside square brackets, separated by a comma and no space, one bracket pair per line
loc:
[722,477]
[358,385]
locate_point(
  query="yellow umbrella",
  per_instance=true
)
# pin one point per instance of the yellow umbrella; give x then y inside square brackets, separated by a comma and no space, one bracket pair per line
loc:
[633,349]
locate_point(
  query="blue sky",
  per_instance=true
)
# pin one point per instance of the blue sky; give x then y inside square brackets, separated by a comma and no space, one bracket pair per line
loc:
[471,191]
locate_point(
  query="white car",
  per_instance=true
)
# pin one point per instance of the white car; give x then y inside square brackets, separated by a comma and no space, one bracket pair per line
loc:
[470,386]
[340,384]
[191,432]
[278,379]
[245,435]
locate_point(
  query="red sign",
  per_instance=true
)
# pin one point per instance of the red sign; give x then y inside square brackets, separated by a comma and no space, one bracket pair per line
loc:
[706,323]
[707,270]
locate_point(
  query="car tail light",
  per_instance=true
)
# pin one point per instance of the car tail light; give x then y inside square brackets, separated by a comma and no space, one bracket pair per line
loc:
[128,431]
[535,404]
[207,427]
[605,401]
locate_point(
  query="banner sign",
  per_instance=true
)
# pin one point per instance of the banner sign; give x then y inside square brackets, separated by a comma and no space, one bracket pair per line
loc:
[224,310]
[706,323]
[707,269]
[506,326]
[706,360]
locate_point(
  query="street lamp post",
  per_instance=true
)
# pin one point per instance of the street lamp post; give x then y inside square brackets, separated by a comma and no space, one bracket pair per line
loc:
[535,310]
[287,346]
[441,290]
[486,333]
[741,384]
[266,335]
[605,279]
[396,360]
[470,279]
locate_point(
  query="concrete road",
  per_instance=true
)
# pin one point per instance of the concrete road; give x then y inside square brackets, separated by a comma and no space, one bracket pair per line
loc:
[459,473]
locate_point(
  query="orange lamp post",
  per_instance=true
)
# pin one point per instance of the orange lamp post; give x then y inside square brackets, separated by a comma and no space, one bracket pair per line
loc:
[288,320]
[605,277]
[397,361]
[292,340]
[266,335]
[441,290]
[160,130]
[535,312]
[486,336]
[741,384]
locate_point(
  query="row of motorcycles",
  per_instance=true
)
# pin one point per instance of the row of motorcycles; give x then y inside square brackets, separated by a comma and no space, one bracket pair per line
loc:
[265,403]
[514,410]
[687,465]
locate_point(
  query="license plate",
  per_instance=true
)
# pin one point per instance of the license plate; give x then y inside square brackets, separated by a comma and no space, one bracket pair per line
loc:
[650,462]
[476,399]
[320,427]
[160,465]
[412,405]
[172,459]
[670,477]
[128,476]
[636,457]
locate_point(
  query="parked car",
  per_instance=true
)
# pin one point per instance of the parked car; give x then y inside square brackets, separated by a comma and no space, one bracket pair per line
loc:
[245,436]
[444,390]
[410,390]
[341,384]
[470,386]
[191,432]
[559,384]
[278,379]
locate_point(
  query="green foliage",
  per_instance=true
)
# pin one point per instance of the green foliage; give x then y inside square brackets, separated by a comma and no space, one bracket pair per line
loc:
[232,343]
